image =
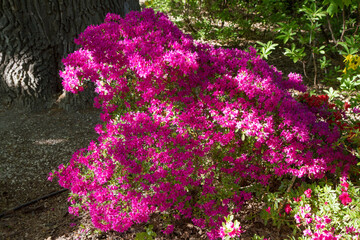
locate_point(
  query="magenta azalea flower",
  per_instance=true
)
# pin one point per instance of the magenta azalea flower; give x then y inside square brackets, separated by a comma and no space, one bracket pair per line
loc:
[288,208]
[345,198]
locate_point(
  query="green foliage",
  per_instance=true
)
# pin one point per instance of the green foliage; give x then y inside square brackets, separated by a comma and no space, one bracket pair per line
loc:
[295,53]
[332,93]
[266,48]
[334,6]
[147,235]
[351,45]
[287,31]
[314,33]
[274,204]
[257,237]
[220,20]
[350,78]
[324,63]
[312,13]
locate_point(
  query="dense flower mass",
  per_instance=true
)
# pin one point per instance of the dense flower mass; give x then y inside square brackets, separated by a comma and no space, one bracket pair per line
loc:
[344,196]
[185,125]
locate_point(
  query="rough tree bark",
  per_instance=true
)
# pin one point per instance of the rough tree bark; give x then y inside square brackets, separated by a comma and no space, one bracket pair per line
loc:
[34,37]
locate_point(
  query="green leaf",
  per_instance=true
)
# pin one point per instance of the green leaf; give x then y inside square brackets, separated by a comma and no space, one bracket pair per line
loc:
[332,9]
[236,224]
[347,2]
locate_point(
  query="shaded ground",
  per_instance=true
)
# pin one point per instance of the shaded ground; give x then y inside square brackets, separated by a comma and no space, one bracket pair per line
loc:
[31,145]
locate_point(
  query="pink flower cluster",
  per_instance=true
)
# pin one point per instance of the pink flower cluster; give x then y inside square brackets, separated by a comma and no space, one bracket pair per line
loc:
[344,196]
[353,231]
[288,209]
[304,215]
[321,235]
[184,124]
[169,229]
[321,231]
[230,230]
[308,193]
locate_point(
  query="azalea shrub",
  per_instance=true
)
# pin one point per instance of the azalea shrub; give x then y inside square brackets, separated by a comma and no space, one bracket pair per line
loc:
[186,127]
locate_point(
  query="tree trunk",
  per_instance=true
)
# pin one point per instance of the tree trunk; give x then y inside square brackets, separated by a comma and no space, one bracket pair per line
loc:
[34,37]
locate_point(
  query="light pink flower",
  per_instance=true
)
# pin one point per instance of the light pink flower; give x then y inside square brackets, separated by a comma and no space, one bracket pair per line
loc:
[307,232]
